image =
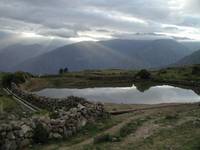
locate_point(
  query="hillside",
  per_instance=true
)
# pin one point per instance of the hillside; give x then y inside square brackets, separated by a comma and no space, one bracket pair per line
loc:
[194,58]
[16,54]
[156,53]
[120,54]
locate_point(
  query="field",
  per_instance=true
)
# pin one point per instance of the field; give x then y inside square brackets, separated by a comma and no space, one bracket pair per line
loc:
[113,78]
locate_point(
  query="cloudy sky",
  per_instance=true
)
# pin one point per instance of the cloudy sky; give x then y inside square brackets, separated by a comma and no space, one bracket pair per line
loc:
[79,20]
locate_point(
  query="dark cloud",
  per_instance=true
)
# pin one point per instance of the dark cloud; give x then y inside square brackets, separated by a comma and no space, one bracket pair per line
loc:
[74,18]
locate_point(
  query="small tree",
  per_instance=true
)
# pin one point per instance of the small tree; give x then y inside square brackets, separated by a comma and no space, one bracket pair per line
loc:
[40,134]
[17,78]
[61,71]
[143,74]
[66,70]
[196,70]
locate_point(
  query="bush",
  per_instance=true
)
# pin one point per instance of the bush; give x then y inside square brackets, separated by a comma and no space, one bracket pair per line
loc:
[196,70]
[103,138]
[54,115]
[143,74]
[171,117]
[162,72]
[17,78]
[40,134]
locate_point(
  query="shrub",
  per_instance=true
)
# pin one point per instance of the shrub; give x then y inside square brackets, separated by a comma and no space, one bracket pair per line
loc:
[103,138]
[171,117]
[61,71]
[196,70]
[54,115]
[162,72]
[17,78]
[40,134]
[143,74]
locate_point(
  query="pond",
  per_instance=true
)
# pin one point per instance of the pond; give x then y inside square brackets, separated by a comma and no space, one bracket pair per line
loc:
[127,95]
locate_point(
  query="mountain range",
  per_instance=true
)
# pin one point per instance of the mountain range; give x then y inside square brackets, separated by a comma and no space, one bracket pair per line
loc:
[15,54]
[194,58]
[117,53]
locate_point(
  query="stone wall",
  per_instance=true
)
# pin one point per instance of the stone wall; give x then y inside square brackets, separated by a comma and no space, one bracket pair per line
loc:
[19,134]
[68,117]
[49,103]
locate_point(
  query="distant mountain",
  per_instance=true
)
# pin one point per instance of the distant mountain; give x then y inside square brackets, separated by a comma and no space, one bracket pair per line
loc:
[83,55]
[155,53]
[122,54]
[194,58]
[192,45]
[17,53]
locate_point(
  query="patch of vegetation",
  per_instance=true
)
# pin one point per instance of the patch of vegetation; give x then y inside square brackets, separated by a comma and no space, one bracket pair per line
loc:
[168,119]
[89,131]
[7,104]
[40,134]
[190,73]
[130,127]
[196,70]
[143,74]
[183,137]
[17,78]
[103,138]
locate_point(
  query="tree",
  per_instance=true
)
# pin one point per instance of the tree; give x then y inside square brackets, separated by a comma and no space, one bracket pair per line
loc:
[17,78]
[61,71]
[196,70]
[40,134]
[66,70]
[143,74]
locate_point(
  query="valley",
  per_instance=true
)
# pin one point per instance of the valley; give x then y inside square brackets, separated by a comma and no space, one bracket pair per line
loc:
[132,126]
[99,75]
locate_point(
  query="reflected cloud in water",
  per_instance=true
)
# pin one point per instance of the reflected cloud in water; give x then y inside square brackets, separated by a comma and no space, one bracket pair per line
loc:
[128,95]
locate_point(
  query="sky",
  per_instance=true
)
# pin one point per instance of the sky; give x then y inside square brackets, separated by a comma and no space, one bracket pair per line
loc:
[92,20]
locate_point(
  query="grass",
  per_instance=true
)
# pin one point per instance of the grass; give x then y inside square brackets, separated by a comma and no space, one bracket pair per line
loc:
[183,137]
[7,104]
[89,131]
[181,73]
[109,78]
[178,128]
[130,127]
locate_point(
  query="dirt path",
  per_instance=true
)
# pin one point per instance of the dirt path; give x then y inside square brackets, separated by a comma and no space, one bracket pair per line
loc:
[147,129]
[111,131]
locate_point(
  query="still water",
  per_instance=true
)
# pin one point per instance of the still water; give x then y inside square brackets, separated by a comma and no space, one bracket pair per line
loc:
[127,95]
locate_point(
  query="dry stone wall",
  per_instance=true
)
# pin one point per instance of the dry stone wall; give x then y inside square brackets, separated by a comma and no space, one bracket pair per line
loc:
[65,121]
[49,103]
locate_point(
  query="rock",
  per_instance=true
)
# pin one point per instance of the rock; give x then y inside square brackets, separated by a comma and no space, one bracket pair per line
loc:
[10,145]
[10,136]
[25,129]
[56,136]
[81,106]
[24,143]
[82,122]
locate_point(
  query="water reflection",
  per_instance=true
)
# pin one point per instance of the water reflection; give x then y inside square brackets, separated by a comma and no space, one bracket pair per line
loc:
[129,95]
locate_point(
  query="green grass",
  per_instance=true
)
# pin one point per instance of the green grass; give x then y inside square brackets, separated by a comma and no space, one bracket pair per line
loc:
[183,137]
[109,78]
[130,127]
[181,73]
[89,131]
[7,104]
